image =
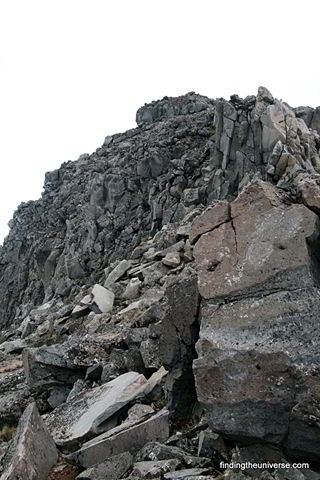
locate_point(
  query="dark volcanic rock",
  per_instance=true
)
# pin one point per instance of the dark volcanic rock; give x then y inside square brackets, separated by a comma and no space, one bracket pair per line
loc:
[185,250]
[99,208]
[90,412]
[170,107]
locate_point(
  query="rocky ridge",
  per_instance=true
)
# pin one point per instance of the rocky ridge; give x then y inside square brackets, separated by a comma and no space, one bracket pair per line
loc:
[158,304]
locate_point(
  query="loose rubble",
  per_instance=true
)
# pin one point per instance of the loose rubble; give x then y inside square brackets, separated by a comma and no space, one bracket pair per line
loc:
[163,318]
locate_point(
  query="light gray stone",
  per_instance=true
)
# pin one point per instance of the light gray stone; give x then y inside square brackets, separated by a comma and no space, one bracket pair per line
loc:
[13,346]
[129,436]
[152,469]
[132,289]
[155,379]
[103,299]
[88,413]
[44,328]
[118,272]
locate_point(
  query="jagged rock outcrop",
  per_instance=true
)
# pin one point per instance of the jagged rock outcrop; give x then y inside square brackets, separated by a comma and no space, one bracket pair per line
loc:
[159,302]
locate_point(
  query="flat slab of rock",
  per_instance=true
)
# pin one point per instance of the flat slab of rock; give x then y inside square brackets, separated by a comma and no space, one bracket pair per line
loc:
[187,473]
[86,414]
[157,451]
[118,272]
[127,437]
[32,452]
[114,467]
[67,362]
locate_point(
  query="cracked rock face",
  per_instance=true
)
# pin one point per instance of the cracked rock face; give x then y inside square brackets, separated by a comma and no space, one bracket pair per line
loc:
[258,348]
[261,245]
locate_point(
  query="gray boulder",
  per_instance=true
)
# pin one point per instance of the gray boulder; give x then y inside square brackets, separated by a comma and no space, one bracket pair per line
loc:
[130,436]
[115,467]
[32,452]
[100,300]
[259,285]
[91,412]
[67,362]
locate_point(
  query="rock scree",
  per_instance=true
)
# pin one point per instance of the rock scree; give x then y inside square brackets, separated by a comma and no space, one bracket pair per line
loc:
[159,303]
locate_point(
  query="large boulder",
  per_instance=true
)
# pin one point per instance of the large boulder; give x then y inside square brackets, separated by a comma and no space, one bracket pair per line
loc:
[263,247]
[257,362]
[90,412]
[172,336]
[66,362]
[130,436]
[32,452]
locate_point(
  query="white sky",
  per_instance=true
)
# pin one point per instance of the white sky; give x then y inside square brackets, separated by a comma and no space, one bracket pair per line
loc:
[74,71]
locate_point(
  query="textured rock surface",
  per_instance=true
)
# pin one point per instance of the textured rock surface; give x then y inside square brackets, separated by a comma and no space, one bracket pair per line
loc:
[33,452]
[115,467]
[89,412]
[257,357]
[130,436]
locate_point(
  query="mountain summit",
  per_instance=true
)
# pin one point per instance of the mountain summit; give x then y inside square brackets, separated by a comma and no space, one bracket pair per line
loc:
[170,279]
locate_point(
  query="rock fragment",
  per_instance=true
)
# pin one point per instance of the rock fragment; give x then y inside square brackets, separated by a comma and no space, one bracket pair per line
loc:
[118,272]
[115,467]
[32,452]
[129,436]
[172,260]
[88,413]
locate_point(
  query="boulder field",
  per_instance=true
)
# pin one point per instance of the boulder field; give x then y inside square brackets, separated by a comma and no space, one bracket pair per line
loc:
[159,304]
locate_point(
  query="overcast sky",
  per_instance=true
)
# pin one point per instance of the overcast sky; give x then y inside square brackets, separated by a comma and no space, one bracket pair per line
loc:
[74,71]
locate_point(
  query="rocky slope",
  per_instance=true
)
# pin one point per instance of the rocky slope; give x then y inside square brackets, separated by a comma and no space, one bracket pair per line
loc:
[159,304]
